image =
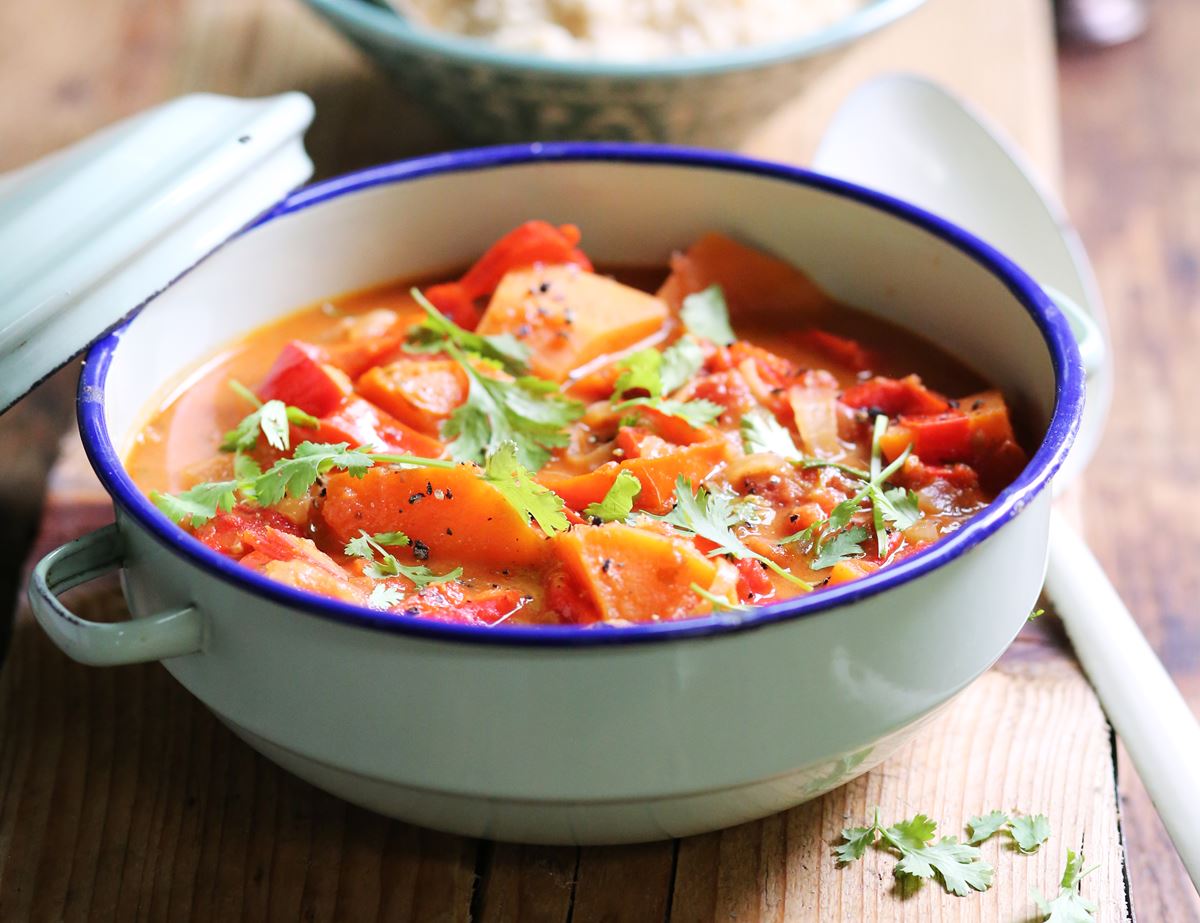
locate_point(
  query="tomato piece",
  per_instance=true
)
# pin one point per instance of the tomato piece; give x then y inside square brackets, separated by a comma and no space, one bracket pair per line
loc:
[236,532]
[356,356]
[359,422]
[938,438]
[753,582]
[774,370]
[895,396]
[527,245]
[843,350]
[446,602]
[453,301]
[301,377]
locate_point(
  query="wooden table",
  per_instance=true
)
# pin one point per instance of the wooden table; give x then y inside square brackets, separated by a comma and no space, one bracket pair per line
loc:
[122,799]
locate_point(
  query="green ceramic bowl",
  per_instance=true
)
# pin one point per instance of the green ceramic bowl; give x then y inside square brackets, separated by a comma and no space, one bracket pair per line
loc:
[487,94]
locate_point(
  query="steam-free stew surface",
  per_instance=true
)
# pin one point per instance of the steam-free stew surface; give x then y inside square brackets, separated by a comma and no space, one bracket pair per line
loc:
[543,442]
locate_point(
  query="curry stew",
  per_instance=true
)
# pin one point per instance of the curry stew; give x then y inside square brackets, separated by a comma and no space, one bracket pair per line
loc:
[540,442]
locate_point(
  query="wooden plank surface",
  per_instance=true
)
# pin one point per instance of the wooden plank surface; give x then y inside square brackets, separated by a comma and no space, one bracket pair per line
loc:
[120,798]
[1131,118]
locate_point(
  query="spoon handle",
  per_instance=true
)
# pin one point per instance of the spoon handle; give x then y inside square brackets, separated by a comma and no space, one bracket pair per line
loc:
[1145,707]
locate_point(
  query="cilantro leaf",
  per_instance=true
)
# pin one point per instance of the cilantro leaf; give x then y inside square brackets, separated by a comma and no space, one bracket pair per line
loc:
[658,373]
[436,331]
[845,544]
[680,361]
[1030,831]
[527,412]
[957,864]
[1070,906]
[384,597]
[618,502]
[245,468]
[761,432]
[897,505]
[915,833]
[640,371]
[857,839]
[200,504]
[706,315]
[504,472]
[985,826]
[273,419]
[694,413]
[711,515]
[294,476]
[384,564]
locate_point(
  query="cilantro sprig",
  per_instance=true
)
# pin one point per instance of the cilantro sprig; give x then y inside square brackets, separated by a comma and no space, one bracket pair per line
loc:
[527,412]
[433,333]
[272,419]
[719,603]
[383,564]
[896,505]
[504,472]
[618,501]
[712,515]
[1070,906]
[290,477]
[959,866]
[660,374]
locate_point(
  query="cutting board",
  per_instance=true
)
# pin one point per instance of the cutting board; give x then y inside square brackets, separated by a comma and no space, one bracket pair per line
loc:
[121,798]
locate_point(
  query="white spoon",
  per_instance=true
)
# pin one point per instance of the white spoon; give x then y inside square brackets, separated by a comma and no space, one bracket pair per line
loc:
[906,136]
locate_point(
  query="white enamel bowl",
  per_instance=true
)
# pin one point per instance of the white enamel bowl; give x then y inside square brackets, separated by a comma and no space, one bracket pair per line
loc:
[565,735]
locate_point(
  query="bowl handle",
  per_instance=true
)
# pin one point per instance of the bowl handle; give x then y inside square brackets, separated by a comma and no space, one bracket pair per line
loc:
[102,644]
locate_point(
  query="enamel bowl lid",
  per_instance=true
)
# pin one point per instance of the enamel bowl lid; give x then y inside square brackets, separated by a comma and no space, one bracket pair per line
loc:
[92,232]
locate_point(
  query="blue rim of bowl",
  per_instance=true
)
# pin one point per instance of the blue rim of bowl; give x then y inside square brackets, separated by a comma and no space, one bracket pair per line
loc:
[1056,332]
[369,17]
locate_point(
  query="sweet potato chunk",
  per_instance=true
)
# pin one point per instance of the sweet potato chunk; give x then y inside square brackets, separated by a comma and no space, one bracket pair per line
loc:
[420,392]
[568,317]
[657,476]
[459,518]
[755,283]
[635,574]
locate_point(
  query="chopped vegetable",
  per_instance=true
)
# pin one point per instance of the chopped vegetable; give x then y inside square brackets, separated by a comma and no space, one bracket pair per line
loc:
[565,318]
[532,439]
[706,315]
[527,496]
[618,501]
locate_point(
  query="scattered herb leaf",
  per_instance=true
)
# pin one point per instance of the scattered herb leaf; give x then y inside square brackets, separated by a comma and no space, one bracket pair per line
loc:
[846,544]
[761,432]
[200,504]
[1070,906]
[504,472]
[436,331]
[706,314]
[618,501]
